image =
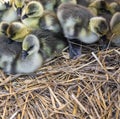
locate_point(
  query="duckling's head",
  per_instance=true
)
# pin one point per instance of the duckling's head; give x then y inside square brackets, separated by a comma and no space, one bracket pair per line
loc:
[8,3]
[70,1]
[50,22]
[16,31]
[114,7]
[33,9]
[48,4]
[30,45]
[115,23]
[2,5]
[18,5]
[98,25]
[3,27]
[99,7]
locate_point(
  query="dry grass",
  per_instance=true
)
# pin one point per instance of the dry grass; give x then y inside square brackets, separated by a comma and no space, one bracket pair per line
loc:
[85,88]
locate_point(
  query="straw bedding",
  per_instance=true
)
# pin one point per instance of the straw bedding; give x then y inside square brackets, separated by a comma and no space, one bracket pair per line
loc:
[85,88]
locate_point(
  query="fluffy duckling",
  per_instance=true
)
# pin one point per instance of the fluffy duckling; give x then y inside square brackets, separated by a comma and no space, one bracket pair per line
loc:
[36,51]
[48,4]
[49,21]
[8,53]
[101,8]
[3,28]
[17,31]
[114,7]
[30,59]
[115,29]
[31,14]
[18,6]
[2,6]
[79,23]
[84,2]
[14,12]
[51,43]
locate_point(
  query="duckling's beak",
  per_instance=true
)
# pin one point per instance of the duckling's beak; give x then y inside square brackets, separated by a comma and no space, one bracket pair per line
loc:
[24,54]
[7,4]
[24,17]
[19,11]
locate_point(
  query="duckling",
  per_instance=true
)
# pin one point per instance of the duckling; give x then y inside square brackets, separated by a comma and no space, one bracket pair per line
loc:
[31,14]
[80,24]
[84,2]
[36,52]
[8,3]
[8,53]
[19,5]
[48,4]
[2,6]
[17,31]
[51,43]
[101,8]
[30,59]
[3,28]
[49,21]
[14,12]
[115,29]
[114,7]
[59,2]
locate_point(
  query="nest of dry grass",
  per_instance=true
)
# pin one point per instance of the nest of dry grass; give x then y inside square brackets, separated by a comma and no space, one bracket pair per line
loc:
[85,88]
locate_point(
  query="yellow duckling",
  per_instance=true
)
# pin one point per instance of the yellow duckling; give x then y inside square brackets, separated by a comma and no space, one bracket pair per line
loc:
[30,59]
[18,6]
[36,51]
[114,7]
[3,28]
[115,29]
[49,21]
[14,12]
[8,53]
[79,23]
[17,31]
[31,14]
[101,8]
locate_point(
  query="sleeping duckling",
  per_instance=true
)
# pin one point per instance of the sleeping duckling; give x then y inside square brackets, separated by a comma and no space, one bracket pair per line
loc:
[3,28]
[49,21]
[35,52]
[79,23]
[31,14]
[8,53]
[17,31]
[115,29]
[30,59]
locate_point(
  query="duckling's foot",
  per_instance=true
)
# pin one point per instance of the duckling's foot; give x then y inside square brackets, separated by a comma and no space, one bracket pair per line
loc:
[74,50]
[9,41]
[103,42]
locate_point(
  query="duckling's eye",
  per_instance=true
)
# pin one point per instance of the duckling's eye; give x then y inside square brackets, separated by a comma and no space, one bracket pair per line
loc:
[31,13]
[15,5]
[30,48]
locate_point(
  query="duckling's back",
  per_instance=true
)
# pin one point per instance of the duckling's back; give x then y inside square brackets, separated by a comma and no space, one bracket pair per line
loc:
[51,44]
[8,53]
[68,10]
